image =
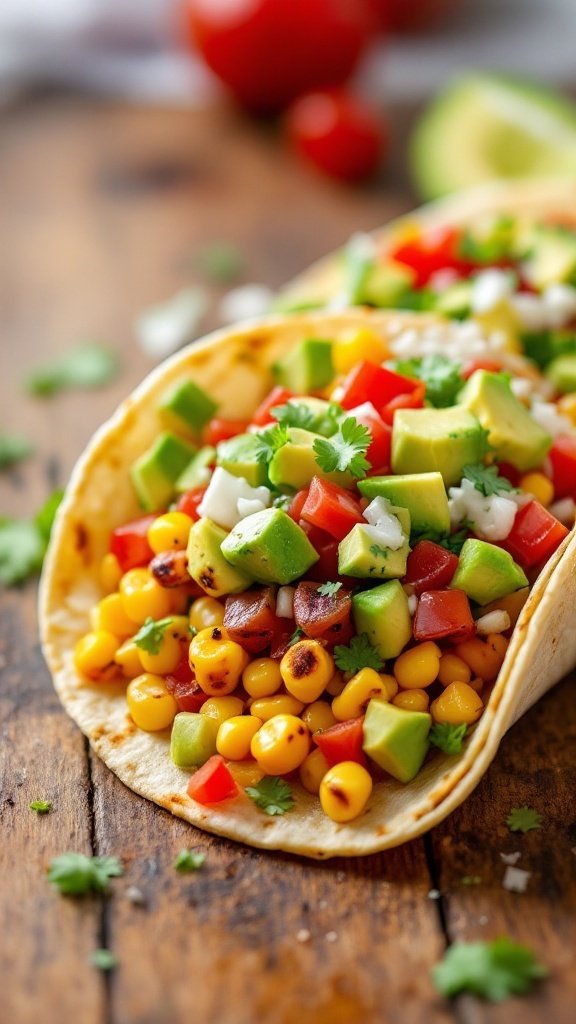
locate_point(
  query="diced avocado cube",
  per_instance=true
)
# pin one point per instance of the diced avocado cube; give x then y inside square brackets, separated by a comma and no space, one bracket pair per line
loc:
[383,614]
[514,435]
[485,572]
[363,554]
[186,407]
[396,739]
[155,473]
[423,494]
[270,547]
[193,739]
[197,472]
[436,440]
[562,373]
[455,301]
[552,258]
[294,464]
[239,457]
[206,563]
[385,284]
[308,367]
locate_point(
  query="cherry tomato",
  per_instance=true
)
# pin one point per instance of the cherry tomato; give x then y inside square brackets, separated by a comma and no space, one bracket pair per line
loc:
[337,132]
[189,502]
[443,613]
[269,51]
[405,16]
[212,782]
[430,567]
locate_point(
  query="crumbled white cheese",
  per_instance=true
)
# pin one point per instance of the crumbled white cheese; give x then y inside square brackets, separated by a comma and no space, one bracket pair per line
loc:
[530,310]
[547,415]
[458,340]
[511,858]
[285,603]
[516,879]
[163,329]
[564,510]
[490,287]
[386,527]
[220,502]
[491,517]
[250,300]
[560,304]
[493,622]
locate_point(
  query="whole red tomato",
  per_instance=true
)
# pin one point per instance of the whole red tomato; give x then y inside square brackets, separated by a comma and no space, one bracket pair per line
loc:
[405,16]
[269,51]
[338,133]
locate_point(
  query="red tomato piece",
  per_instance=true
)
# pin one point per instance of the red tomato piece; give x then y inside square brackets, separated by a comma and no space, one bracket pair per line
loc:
[411,400]
[326,568]
[130,543]
[430,567]
[330,508]
[378,453]
[480,363]
[250,618]
[220,429]
[429,253]
[443,613]
[343,742]
[212,782]
[337,132]
[535,535]
[296,505]
[322,616]
[562,455]
[367,382]
[510,472]
[189,502]
[278,396]
[187,694]
[284,630]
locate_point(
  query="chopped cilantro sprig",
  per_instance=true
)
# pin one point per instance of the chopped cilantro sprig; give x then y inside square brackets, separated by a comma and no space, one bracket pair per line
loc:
[270,441]
[360,653]
[150,636]
[523,819]
[74,874]
[440,375]
[486,479]
[272,795]
[87,366]
[329,589]
[189,860]
[13,449]
[23,543]
[491,970]
[345,450]
[447,737]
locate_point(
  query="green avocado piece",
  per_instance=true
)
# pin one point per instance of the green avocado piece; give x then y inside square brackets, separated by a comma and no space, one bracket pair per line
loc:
[383,614]
[206,563]
[385,284]
[294,464]
[308,367]
[396,739]
[436,440]
[239,457]
[186,407]
[486,572]
[197,472]
[552,257]
[514,435]
[318,412]
[362,554]
[562,373]
[455,301]
[423,494]
[269,546]
[193,739]
[155,473]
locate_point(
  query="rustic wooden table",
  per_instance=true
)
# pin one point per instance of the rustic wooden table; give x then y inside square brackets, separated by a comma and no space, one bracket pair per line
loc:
[102,210]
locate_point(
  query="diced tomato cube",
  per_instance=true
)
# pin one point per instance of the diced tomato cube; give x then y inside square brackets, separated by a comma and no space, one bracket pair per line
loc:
[188,695]
[378,453]
[219,429]
[295,508]
[189,502]
[343,742]
[130,543]
[430,567]
[443,614]
[428,253]
[510,472]
[330,508]
[278,396]
[323,616]
[535,535]
[413,399]
[562,456]
[284,630]
[367,382]
[249,618]
[212,782]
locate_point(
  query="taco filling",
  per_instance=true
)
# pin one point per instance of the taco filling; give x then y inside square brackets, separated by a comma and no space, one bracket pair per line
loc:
[326,591]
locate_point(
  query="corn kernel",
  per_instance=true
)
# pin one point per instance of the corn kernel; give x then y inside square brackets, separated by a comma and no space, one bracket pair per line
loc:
[484,657]
[222,708]
[318,716]
[150,704]
[345,791]
[279,704]
[358,691]
[143,597]
[206,612]
[477,684]
[390,685]
[261,677]
[313,770]
[235,736]
[94,655]
[110,616]
[453,670]
[127,657]
[457,705]
[281,744]
[511,603]
[567,406]
[110,573]
[418,667]
[412,700]
[354,346]
[217,661]
[306,668]
[335,685]
[245,773]
[540,486]
[165,659]
[169,532]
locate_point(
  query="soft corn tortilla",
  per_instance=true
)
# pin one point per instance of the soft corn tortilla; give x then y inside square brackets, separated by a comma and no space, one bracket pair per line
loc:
[234,368]
[548,199]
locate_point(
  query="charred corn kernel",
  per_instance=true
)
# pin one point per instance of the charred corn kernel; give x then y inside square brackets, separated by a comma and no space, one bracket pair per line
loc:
[222,708]
[412,700]
[110,573]
[94,655]
[318,715]
[127,658]
[354,346]
[279,704]
[206,612]
[110,616]
[149,702]
[390,685]
[217,661]
[418,667]
[261,677]
[306,668]
[245,773]
[484,657]
[567,406]
[540,486]
[358,691]
[281,744]
[169,532]
[458,704]
[143,597]
[166,659]
[235,736]
[335,685]
[313,770]
[345,790]
[453,670]
[179,627]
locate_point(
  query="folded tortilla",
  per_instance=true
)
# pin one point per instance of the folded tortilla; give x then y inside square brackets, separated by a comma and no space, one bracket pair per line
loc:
[233,367]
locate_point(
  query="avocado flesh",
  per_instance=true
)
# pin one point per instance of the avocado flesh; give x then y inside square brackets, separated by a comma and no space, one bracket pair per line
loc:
[307,367]
[186,407]
[552,259]
[193,739]
[383,614]
[155,473]
[486,572]
[294,464]
[436,441]
[197,472]
[562,373]
[270,547]
[396,739]
[206,563]
[514,435]
[422,494]
[363,554]
[239,456]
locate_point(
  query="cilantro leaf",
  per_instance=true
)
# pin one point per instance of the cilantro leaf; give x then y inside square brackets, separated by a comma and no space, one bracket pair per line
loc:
[272,795]
[150,636]
[329,589]
[13,449]
[486,479]
[104,959]
[470,880]
[40,806]
[492,970]
[189,860]
[87,366]
[448,737]
[221,262]
[294,414]
[44,519]
[523,819]
[270,441]
[360,653]
[378,551]
[75,874]
[345,450]
[21,551]
[452,542]
[440,375]
[295,636]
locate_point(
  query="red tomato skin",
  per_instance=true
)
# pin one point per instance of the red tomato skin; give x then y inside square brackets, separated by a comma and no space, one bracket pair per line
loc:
[562,456]
[212,782]
[429,253]
[296,505]
[220,429]
[188,695]
[443,614]
[367,382]
[343,742]
[338,133]
[535,535]
[378,453]
[407,16]
[330,508]
[430,567]
[189,502]
[130,543]
[480,363]
[411,400]
[510,472]
[278,396]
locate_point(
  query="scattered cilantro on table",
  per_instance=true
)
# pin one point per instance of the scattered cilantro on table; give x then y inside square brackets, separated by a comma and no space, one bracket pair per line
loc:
[13,449]
[103,959]
[75,874]
[23,543]
[87,366]
[221,262]
[272,795]
[491,970]
[329,589]
[447,737]
[40,806]
[345,450]
[150,636]
[270,441]
[486,479]
[294,414]
[440,375]
[361,653]
[523,819]
[189,860]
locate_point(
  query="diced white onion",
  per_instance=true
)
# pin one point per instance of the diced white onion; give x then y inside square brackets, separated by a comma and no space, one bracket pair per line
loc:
[285,603]
[248,506]
[511,858]
[412,604]
[530,310]
[250,300]
[516,879]
[560,304]
[492,517]
[547,415]
[522,387]
[493,622]
[564,510]
[489,288]
[385,524]
[220,502]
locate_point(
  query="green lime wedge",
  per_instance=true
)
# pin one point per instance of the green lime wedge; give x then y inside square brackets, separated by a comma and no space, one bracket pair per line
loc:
[486,126]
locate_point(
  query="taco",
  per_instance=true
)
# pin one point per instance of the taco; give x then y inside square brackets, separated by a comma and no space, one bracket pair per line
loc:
[296,594]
